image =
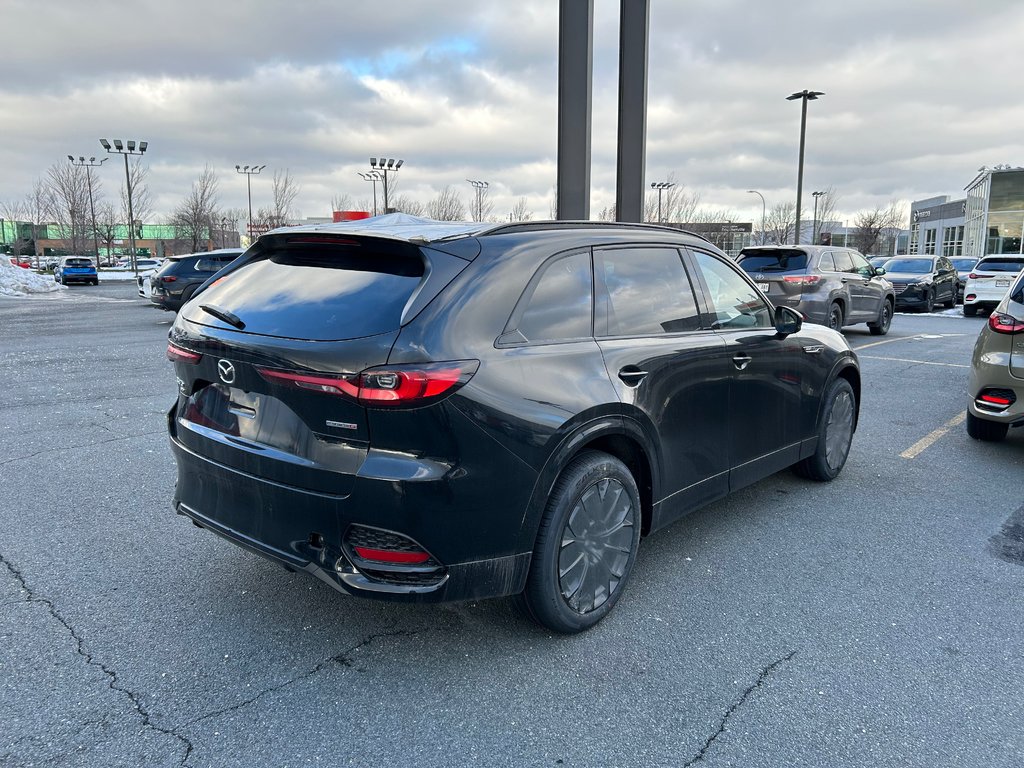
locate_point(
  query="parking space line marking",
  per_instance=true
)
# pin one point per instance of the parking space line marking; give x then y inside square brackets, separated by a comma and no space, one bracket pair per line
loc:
[928,440]
[919,362]
[898,338]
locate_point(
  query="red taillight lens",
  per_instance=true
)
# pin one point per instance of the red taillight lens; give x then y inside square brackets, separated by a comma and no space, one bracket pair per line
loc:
[802,279]
[391,386]
[1005,323]
[168,279]
[995,399]
[178,354]
[390,556]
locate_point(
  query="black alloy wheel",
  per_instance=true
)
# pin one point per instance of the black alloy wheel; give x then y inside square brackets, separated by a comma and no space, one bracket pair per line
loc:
[586,545]
[882,325]
[835,317]
[929,305]
[835,434]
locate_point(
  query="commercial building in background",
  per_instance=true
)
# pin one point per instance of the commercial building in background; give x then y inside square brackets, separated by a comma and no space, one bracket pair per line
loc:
[730,236]
[937,227]
[994,212]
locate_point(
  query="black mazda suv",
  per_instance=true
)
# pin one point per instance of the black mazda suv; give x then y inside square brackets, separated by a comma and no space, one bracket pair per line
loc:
[425,411]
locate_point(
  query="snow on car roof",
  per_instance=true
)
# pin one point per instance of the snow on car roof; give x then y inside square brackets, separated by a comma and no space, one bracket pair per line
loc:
[395,226]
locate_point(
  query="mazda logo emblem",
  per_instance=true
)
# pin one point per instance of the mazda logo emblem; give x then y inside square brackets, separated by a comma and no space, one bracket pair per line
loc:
[226,371]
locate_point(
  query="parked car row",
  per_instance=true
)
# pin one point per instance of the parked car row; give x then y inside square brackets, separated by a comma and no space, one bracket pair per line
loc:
[180,276]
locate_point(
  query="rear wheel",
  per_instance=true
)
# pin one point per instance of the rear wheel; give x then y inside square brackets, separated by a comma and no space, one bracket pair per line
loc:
[881,326]
[835,317]
[982,429]
[835,434]
[970,310]
[586,545]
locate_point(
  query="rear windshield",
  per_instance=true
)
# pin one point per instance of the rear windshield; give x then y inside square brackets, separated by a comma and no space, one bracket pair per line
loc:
[1000,265]
[773,260]
[309,289]
[78,263]
[909,266]
[964,264]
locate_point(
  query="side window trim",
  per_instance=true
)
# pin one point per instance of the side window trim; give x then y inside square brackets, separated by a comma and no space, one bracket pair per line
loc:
[511,336]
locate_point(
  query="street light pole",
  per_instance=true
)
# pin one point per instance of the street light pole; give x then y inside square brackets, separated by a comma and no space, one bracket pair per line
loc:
[125,149]
[763,209]
[661,186]
[384,166]
[814,227]
[81,163]
[479,186]
[373,176]
[804,96]
[249,170]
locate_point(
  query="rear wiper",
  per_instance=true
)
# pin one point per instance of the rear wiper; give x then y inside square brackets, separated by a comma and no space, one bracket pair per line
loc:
[222,314]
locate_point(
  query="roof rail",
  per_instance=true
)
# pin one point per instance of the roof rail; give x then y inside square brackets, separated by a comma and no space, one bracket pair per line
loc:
[538,226]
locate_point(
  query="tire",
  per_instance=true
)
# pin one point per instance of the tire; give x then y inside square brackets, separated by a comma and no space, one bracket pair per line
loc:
[881,326]
[929,305]
[970,310]
[835,434]
[983,429]
[835,317]
[586,545]
[951,302]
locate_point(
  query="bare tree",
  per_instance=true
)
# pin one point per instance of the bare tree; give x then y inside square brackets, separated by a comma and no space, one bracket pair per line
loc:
[11,212]
[607,214]
[37,206]
[780,223]
[875,231]
[107,221]
[520,211]
[483,206]
[285,191]
[193,219]
[68,203]
[406,204]
[142,201]
[447,206]
[341,202]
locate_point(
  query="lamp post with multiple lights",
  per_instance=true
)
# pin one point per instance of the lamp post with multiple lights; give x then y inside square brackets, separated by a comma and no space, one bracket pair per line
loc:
[373,176]
[661,186]
[763,209]
[479,186]
[89,165]
[249,171]
[125,149]
[384,166]
[815,229]
[804,96]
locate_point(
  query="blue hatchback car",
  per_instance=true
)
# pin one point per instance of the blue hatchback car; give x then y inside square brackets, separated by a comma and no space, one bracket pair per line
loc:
[76,269]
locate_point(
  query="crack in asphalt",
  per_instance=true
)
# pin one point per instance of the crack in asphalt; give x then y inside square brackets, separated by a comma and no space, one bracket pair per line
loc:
[112,680]
[761,679]
[84,445]
[344,659]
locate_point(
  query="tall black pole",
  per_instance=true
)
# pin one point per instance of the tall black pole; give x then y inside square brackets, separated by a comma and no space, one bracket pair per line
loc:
[634,26]
[800,168]
[575,107]
[131,218]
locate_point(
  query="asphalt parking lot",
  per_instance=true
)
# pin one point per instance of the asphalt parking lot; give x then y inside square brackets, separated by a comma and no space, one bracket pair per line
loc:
[874,621]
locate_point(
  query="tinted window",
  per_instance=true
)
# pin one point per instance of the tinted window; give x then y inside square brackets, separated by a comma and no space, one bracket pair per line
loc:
[964,264]
[911,266]
[826,263]
[772,260]
[734,302]
[559,306]
[844,263]
[860,264]
[212,264]
[645,291]
[1000,265]
[78,263]
[322,291]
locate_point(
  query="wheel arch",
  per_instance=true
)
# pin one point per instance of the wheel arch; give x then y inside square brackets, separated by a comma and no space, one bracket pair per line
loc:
[851,373]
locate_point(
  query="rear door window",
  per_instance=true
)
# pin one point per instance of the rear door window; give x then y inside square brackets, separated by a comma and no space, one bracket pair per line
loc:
[826,263]
[643,291]
[843,261]
[310,288]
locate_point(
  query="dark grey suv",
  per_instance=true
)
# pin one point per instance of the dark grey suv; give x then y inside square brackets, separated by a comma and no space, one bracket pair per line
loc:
[830,286]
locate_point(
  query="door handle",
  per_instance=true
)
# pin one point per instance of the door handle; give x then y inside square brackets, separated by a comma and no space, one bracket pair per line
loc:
[741,361]
[631,376]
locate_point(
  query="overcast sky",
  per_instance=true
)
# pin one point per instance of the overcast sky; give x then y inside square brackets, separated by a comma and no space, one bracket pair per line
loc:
[919,95]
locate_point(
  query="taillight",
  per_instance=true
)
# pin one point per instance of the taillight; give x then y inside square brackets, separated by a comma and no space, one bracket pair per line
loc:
[1005,323]
[168,279]
[387,386]
[802,279]
[178,354]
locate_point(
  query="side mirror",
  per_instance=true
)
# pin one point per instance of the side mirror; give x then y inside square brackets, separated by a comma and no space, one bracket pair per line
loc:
[879,271]
[788,321]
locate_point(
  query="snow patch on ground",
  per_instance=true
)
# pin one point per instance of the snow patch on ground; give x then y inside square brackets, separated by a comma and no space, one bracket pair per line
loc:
[16,281]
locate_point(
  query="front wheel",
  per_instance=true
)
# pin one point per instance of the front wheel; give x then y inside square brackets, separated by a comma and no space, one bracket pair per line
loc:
[881,326]
[983,429]
[835,434]
[929,305]
[586,545]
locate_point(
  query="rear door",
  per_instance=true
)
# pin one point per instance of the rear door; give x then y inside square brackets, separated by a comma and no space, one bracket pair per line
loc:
[867,292]
[664,363]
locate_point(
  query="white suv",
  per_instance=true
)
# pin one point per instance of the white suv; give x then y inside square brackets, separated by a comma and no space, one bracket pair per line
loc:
[989,281]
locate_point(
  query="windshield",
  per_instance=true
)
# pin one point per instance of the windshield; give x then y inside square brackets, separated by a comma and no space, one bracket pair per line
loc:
[963,265]
[772,260]
[910,266]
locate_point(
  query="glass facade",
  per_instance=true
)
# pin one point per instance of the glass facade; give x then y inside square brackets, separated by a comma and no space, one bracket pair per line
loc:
[994,215]
[953,242]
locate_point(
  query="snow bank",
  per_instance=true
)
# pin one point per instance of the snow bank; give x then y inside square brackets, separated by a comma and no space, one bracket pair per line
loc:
[16,281]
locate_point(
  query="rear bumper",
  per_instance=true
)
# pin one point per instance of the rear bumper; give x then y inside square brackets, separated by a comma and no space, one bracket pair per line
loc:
[306,530]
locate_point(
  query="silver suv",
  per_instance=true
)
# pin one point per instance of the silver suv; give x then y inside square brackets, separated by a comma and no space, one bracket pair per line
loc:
[830,286]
